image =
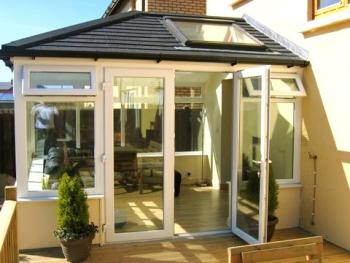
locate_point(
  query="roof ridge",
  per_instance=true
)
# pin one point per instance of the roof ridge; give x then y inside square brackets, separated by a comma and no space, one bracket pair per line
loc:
[67,31]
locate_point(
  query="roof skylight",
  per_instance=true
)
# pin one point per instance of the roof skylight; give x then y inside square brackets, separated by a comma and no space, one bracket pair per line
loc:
[211,33]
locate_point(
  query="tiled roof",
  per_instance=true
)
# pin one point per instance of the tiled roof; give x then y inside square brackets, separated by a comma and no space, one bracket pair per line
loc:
[139,35]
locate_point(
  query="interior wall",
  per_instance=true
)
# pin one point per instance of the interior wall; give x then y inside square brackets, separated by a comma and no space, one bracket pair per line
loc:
[37,221]
[191,168]
[212,128]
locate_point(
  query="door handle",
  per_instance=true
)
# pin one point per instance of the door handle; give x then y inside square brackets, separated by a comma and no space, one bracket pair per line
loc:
[259,162]
[103,158]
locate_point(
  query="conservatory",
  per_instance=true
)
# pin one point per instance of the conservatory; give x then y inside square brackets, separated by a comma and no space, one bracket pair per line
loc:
[166,117]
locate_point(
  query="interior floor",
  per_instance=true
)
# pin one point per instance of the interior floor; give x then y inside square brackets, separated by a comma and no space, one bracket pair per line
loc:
[197,209]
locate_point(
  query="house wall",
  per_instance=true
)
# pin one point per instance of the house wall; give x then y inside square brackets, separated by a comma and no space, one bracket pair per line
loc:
[325,109]
[191,7]
[37,221]
[37,218]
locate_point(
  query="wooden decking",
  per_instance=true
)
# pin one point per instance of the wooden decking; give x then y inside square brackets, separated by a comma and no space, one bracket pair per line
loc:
[201,249]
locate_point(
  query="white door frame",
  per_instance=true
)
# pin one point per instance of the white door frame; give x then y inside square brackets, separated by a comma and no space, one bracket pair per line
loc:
[264,73]
[168,149]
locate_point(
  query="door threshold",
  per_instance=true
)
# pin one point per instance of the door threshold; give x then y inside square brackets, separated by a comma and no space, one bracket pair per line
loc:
[200,234]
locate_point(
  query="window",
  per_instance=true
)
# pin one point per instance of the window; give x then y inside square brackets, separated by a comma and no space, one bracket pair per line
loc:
[283,130]
[213,33]
[189,111]
[282,85]
[56,80]
[59,135]
[60,80]
[322,7]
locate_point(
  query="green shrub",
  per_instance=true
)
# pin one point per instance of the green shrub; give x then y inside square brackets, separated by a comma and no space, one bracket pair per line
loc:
[253,189]
[72,210]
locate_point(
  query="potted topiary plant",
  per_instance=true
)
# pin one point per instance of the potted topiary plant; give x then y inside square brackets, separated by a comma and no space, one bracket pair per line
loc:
[253,192]
[74,230]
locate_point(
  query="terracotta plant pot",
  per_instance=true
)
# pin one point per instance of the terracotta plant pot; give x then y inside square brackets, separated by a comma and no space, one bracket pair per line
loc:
[77,250]
[271,225]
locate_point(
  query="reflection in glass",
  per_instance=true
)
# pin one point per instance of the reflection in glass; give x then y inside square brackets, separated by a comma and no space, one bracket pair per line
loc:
[60,80]
[138,154]
[59,134]
[282,139]
[284,84]
[248,185]
[214,32]
[326,3]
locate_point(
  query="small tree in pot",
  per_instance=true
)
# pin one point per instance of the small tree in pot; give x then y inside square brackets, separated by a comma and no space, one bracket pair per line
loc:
[74,230]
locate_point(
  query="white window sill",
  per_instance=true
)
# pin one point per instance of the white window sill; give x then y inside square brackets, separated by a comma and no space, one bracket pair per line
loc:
[51,198]
[325,21]
[289,185]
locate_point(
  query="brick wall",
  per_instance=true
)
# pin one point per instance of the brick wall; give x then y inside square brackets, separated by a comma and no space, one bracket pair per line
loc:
[192,7]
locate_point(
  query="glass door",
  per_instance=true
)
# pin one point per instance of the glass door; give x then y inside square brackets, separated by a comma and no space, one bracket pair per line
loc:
[251,161]
[139,168]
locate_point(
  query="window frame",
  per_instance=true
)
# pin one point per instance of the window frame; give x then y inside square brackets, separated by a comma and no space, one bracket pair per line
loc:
[283,94]
[28,69]
[190,100]
[328,9]
[297,137]
[24,192]
[177,32]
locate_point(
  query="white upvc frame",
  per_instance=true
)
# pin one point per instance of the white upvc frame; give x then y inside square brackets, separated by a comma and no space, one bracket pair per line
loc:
[286,94]
[264,74]
[27,69]
[296,136]
[296,140]
[168,149]
[21,99]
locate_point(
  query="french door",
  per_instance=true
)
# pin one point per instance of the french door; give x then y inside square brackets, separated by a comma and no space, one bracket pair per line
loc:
[139,163]
[251,158]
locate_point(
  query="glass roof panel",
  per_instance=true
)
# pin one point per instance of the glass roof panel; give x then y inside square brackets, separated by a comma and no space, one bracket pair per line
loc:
[215,32]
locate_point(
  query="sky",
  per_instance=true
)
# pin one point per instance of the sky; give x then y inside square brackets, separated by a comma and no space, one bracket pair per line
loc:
[24,18]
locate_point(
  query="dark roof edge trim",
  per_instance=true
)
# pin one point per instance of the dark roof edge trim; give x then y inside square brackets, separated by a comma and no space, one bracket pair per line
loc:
[296,49]
[185,57]
[111,7]
[66,31]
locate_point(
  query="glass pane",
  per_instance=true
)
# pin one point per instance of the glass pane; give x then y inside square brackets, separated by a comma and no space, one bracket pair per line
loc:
[214,32]
[59,134]
[60,80]
[248,185]
[284,84]
[138,154]
[326,3]
[282,140]
[189,123]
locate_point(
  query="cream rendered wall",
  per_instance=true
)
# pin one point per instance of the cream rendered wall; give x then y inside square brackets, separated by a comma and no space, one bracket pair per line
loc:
[325,110]
[37,221]
[192,164]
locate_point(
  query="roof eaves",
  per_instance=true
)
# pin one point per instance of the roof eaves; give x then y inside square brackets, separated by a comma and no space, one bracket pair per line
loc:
[173,56]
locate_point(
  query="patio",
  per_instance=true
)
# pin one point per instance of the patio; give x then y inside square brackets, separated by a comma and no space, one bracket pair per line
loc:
[200,249]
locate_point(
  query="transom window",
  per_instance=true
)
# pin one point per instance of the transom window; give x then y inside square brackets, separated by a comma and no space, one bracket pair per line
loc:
[282,85]
[213,33]
[58,80]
